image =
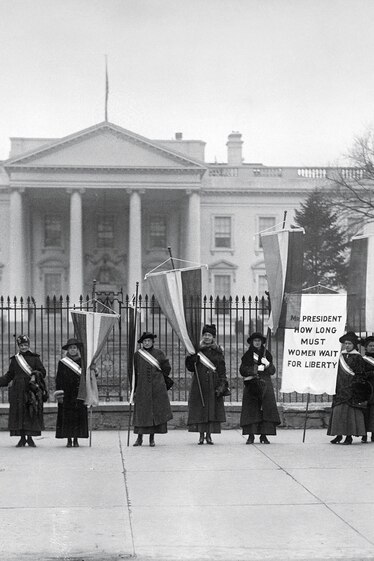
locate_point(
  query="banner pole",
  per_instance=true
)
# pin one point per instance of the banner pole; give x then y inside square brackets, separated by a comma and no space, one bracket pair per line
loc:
[132,364]
[90,426]
[199,385]
[306,415]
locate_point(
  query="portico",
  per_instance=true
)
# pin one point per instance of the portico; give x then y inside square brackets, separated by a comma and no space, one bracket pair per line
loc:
[80,210]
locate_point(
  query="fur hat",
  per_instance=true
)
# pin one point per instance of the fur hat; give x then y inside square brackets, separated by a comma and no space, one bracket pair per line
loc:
[21,339]
[147,335]
[210,329]
[256,335]
[72,342]
[365,342]
[349,336]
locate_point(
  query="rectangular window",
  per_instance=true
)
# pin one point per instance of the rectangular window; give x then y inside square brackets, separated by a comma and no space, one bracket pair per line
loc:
[52,230]
[265,223]
[105,230]
[157,232]
[222,232]
[222,285]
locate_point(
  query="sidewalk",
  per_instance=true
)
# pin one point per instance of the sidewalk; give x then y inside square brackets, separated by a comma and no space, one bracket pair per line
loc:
[179,501]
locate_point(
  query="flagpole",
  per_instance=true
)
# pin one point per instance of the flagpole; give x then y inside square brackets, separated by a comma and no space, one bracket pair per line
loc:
[106,88]
[94,310]
[306,415]
[132,364]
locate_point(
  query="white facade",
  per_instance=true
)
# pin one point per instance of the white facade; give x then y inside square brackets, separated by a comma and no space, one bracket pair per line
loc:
[105,204]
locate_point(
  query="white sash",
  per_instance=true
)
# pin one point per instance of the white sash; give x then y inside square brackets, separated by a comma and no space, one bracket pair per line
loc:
[72,365]
[369,359]
[255,357]
[23,364]
[206,362]
[149,358]
[347,369]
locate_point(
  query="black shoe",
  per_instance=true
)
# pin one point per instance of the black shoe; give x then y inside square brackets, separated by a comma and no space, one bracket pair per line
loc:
[138,441]
[201,440]
[208,439]
[364,439]
[69,443]
[76,443]
[263,439]
[337,439]
[348,440]
[30,442]
[152,440]
[21,443]
[250,439]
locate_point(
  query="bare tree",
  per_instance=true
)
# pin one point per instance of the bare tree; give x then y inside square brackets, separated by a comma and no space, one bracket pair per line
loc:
[353,187]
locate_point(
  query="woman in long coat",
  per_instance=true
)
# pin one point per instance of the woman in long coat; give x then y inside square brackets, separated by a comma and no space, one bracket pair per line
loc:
[152,405]
[209,366]
[259,413]
[368,357]
[347,414]
[26,393]
[72,420]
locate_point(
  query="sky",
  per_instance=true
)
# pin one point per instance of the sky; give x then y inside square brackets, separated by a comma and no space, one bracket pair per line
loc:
[295,77]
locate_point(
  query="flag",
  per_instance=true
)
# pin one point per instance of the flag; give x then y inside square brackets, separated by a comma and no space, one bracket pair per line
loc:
[178,293]
[283,254]
[92,329]
[360,288]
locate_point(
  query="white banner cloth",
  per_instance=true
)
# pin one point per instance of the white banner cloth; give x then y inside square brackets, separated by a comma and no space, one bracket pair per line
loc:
[311,351]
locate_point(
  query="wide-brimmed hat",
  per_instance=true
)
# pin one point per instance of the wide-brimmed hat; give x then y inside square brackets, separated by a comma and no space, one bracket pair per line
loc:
[70,342]
[349,336]
[147,335]
[210,329]
[365,342]
[256,335]
[21,339]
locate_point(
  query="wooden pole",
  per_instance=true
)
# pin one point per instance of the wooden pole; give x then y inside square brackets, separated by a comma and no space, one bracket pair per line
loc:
[284,219]
[306,416]
[171,257]
[132,363]
[94,310]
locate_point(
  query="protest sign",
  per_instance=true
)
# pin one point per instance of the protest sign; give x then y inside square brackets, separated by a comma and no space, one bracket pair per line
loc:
[311,350]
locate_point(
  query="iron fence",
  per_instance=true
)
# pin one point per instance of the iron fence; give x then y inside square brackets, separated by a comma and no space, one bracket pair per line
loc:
[49,326]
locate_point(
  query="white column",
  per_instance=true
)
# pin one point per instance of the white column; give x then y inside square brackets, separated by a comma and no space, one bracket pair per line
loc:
[17,253]
[135,244]
[193,226]
[76,248]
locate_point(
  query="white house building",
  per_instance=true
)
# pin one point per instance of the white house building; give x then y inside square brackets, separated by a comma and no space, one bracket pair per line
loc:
[104,203]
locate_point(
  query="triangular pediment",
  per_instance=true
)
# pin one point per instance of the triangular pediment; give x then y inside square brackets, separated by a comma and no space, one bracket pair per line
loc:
[104,146]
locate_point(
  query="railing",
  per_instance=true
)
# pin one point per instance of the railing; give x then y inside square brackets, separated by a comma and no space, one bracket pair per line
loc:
[49,326]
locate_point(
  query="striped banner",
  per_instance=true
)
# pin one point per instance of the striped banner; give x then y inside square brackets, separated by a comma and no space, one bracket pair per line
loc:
[283,255]
[92,329]
[360,289]
[178,293]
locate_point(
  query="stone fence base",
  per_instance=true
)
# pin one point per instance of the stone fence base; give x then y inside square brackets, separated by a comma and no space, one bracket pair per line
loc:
[114,416]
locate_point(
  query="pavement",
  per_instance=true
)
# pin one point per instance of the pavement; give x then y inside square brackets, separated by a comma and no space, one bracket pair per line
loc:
[178,501]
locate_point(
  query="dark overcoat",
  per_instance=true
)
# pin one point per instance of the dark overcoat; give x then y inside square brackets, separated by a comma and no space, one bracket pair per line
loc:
[152,405]
[344,381]
[214,409]
[72,412]
[25,406]
[369,371]
[259,402]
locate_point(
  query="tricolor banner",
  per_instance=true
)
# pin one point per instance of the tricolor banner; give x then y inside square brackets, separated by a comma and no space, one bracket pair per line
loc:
[360,289]
[178,293]
[92,329]
[283,255]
